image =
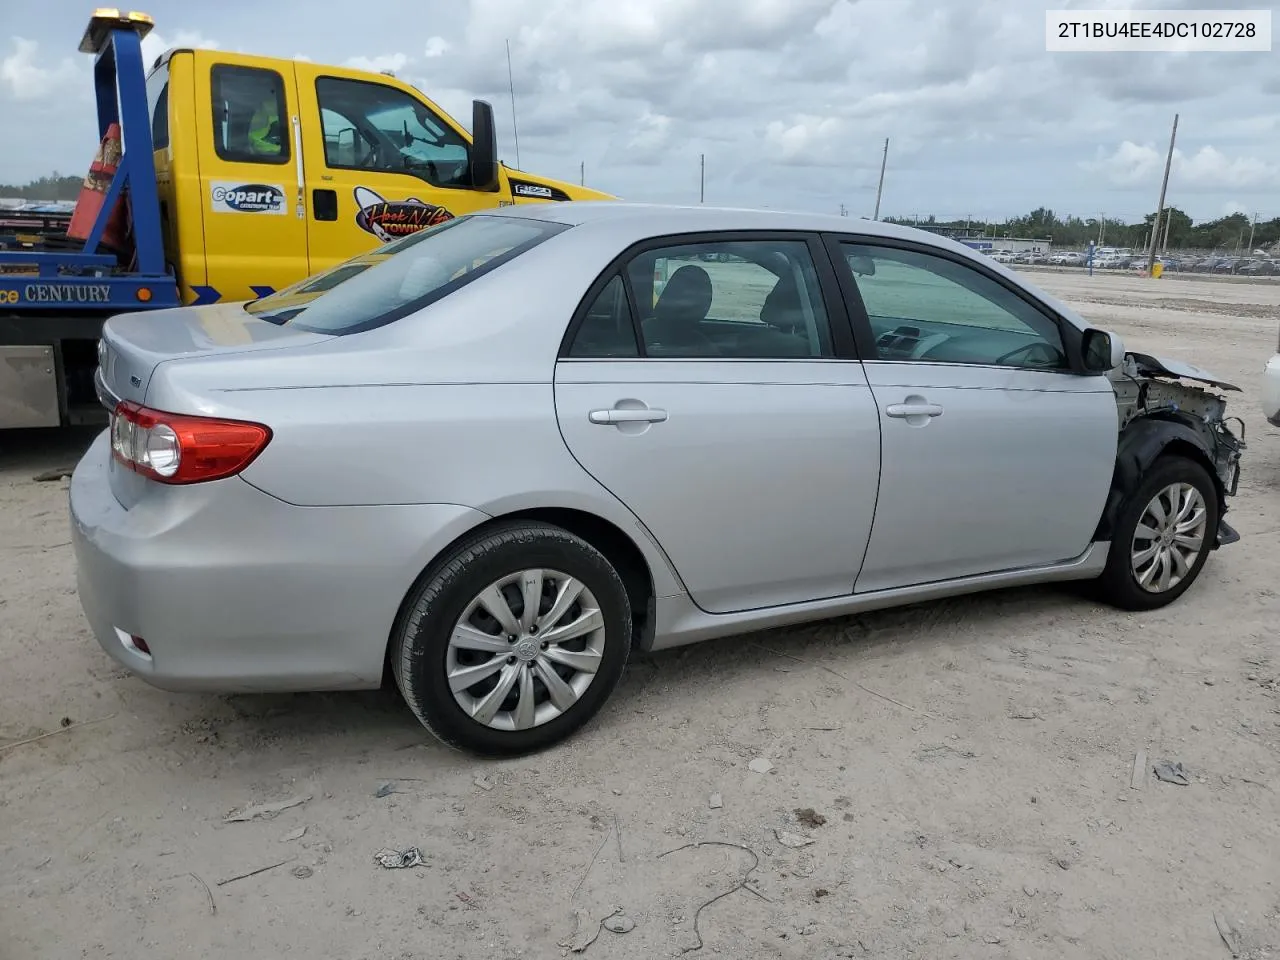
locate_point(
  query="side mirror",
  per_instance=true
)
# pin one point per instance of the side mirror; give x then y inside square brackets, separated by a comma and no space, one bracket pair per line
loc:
[484,148]
[1102,351]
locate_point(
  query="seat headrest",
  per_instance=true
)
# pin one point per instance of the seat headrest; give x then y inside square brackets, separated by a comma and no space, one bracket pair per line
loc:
[781,307]
[686,298]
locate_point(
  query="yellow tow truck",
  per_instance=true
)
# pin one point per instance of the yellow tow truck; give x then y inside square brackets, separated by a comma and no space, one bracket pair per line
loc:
[225,177]
[270,170]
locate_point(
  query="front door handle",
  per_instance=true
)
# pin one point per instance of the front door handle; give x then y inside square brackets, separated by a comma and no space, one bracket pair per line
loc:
[614,416]
[905,411]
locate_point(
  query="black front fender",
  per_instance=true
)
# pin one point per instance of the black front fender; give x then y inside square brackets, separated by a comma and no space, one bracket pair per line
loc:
[1146,439]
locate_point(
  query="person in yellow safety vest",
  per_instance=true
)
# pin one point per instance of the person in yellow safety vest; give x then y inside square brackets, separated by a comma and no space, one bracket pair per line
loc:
[264,129]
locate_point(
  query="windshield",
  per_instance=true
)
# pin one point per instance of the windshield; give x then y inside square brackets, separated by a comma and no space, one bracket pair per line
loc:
[398,278]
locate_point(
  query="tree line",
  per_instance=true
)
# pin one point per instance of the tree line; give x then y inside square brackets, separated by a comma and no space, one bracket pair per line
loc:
[1229,232]
[53,187]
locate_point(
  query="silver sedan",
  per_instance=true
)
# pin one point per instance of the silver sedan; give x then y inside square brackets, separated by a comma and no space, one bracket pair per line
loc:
[493,458]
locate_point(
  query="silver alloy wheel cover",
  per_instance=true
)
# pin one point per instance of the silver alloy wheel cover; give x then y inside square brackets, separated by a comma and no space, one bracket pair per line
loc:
[1169,537]
[557,623]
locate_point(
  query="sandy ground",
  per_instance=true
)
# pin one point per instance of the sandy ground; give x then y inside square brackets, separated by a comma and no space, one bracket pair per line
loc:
[971,758]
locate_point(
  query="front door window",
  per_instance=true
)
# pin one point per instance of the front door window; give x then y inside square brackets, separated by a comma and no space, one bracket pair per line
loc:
[374,127]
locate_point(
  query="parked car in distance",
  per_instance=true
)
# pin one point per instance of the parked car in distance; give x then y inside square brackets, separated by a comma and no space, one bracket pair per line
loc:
[491,460]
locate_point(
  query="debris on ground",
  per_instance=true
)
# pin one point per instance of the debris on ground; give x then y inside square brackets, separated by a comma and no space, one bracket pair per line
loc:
[294,834]
[808,817]
[265,810]
[1170,772]
[1024,714]
[302,872]
[399,859]
[1138,779]
[792,840]
[715,801]
[619,923]
[254,873]
[760,765]
[53,733]
[483,782]
[820,893]
[1229,933]
[57,473]
[386,790]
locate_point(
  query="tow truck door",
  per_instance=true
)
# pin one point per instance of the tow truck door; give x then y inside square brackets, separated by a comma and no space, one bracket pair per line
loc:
[255,234]
[381,162]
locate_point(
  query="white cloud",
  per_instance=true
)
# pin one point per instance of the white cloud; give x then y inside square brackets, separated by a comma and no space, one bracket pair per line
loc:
[1208,168]
[30,76]
[154,44]
[436,47]
[395,62]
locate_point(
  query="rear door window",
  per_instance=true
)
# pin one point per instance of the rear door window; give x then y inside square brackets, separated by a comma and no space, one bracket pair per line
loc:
[250,122]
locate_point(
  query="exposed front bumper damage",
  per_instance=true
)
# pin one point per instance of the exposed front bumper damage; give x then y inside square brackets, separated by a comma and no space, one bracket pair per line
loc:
[1151,390]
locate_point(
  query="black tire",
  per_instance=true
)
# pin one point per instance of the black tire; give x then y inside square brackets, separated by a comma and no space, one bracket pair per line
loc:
[420,641]
[1118,584]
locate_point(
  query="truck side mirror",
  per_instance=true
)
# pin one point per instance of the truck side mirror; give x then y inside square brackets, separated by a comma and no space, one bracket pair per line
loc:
[484,148]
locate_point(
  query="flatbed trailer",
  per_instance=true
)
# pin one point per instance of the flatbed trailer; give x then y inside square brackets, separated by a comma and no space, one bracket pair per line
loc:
[53,301]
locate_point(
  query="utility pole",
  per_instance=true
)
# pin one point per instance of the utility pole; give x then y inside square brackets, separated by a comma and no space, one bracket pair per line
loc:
[702,178]
[884,159]
[582,173]
[1164,245]
[1164,185]
[1102,227]
[511,84]
[1251,229]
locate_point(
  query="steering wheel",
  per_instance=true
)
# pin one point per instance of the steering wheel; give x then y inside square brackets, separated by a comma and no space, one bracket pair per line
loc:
[1052,354]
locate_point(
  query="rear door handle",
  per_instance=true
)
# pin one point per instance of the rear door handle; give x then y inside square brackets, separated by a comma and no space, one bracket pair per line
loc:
[903,411]
[627,416]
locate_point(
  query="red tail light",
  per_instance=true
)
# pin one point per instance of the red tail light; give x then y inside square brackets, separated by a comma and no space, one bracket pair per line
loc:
[176,448]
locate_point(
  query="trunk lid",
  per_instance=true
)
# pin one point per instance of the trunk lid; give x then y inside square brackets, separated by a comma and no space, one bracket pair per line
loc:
[133,345]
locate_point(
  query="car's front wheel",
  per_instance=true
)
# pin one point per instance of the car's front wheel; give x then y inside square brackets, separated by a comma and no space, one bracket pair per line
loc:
[514,641]
[1163,536]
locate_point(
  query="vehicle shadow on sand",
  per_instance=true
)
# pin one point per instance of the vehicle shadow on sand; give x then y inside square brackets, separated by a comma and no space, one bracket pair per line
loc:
[377,724]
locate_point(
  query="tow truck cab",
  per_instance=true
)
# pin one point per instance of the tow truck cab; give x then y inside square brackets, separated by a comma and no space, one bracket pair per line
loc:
[269,170]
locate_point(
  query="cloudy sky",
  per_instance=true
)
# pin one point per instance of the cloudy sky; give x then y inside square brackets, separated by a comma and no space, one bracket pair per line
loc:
[790,100]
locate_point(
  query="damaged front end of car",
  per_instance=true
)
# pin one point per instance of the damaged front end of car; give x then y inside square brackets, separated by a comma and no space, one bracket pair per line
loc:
[1160,411]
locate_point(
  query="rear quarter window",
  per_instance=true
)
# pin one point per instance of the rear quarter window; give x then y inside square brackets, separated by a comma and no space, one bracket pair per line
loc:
[403,276]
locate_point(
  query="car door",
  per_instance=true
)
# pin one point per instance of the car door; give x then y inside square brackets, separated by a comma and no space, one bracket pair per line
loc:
[997,447]
[381,163]
[709,384]
[255,239]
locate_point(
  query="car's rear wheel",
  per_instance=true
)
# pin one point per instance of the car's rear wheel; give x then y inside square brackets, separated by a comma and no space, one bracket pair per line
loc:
[514,641]
[1163,536]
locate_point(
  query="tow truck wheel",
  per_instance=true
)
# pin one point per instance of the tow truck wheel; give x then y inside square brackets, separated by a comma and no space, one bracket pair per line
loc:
[1163,536]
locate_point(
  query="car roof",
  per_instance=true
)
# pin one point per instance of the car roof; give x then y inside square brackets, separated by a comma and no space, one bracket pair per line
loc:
[658,218]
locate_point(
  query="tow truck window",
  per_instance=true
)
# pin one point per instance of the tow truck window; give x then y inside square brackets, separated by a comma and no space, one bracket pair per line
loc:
[249,115]
[371,126]
[158,105]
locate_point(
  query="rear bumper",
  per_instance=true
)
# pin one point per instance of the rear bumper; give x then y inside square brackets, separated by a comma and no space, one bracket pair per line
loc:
[233,590]
[1271,390]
